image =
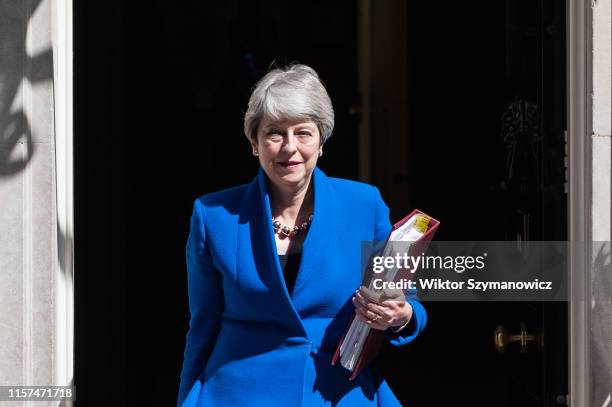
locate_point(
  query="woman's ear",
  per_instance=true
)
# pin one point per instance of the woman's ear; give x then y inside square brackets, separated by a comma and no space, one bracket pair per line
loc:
[255,150]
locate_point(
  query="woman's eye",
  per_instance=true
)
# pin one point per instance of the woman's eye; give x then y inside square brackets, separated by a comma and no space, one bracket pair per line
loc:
[275,135]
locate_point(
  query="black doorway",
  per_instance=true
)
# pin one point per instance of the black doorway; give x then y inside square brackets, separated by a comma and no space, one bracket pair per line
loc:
[486,86]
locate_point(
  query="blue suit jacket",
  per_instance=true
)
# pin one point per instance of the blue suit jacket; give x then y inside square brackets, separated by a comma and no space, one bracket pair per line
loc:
[249,341]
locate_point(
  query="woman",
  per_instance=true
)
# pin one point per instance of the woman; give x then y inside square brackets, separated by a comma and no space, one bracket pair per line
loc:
[273,266]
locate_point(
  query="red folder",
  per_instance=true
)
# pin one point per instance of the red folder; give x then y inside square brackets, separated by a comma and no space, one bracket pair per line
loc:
[376,337]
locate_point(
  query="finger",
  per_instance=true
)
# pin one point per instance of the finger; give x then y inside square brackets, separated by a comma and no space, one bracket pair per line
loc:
[371,310]
[358,304]
[368,314]
[371,305]
[380,309]
[371,323]
[385,316]
[362,311]
[386,311]
[361,298]
[374,308]
[365,319]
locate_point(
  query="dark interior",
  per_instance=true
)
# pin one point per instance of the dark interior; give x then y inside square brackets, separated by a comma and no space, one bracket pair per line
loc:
[160,91]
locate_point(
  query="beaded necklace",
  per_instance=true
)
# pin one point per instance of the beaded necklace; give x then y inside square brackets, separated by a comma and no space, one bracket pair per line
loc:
[286,231]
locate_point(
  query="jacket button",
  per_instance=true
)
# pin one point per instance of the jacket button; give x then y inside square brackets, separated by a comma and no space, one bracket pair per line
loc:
[313,349]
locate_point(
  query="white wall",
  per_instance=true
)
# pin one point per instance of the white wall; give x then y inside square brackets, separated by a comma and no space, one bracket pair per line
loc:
[28,232]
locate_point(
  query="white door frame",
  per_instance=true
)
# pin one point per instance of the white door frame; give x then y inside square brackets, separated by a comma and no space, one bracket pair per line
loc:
[61,24]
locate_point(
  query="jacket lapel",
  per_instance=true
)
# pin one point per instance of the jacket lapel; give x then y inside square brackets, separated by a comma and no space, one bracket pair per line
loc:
[317,241]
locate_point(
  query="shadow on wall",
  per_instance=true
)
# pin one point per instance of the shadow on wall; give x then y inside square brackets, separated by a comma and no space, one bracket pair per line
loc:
[17,69]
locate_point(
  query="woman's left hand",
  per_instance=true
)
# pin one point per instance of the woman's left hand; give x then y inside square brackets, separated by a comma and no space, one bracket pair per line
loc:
[388,314]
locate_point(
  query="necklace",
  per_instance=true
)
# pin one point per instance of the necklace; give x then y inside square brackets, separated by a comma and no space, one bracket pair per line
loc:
[287,231]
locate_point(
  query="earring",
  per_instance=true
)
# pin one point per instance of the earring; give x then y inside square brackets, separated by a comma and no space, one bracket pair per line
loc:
[256,153]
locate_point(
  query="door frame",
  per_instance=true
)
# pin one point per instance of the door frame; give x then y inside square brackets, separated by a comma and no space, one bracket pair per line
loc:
[63,273]
[579,143]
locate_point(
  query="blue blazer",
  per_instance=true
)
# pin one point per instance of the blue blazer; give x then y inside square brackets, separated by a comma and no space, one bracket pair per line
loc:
[250,342]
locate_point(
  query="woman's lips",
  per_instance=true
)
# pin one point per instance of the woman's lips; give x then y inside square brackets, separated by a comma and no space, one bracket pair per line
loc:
[290,164]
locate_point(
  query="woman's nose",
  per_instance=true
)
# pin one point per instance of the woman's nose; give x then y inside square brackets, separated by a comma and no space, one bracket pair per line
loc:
[290,142]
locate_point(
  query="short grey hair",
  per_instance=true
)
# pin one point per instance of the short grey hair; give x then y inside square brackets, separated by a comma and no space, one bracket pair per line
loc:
[292,92]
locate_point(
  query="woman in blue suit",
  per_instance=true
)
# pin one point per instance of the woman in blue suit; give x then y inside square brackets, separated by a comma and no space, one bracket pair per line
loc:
[273,266]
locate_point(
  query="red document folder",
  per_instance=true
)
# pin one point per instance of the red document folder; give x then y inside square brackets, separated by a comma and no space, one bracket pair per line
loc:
[376,337]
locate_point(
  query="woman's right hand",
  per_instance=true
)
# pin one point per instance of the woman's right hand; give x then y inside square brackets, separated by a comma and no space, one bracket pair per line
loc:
[390,313]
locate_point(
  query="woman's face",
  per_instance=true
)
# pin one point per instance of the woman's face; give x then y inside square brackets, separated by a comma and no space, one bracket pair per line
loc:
[288,151]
